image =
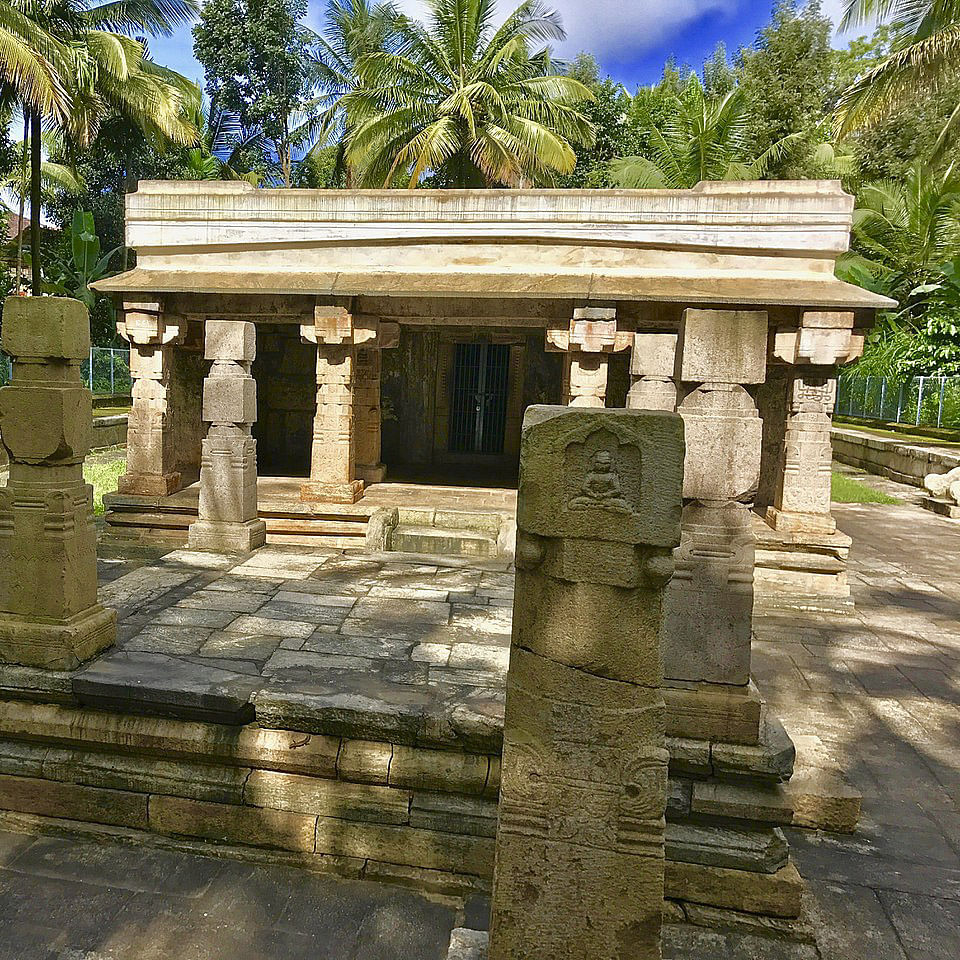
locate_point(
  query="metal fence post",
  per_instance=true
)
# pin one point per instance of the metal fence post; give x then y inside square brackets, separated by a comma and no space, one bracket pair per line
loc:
[920,400]
[900,402]
[943,388]
[112,391]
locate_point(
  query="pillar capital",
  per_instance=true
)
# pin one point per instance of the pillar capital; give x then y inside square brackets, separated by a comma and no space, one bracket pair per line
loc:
[653,361]
[147,325]
[587,340]
[822,338]
[337,326]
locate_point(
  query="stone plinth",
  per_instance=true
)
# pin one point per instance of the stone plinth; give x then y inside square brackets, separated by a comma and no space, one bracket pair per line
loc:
[49,615]
[228,520]
[151,454]
[579,866]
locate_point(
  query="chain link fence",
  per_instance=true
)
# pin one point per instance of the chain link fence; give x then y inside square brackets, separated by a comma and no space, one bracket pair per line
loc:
[106,371]
[923,401]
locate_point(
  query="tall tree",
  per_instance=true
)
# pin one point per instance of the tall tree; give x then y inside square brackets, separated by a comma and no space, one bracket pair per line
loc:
[467,103]
[608,112]
[70,63]
[703,138]
[788,83]
[924,57]
[255,54]
[354,29]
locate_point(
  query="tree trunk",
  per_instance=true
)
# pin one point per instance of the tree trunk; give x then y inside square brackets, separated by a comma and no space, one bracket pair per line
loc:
[35,160]
[23,200]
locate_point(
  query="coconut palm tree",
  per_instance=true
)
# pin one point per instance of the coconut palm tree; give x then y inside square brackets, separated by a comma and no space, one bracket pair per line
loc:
[70,64]
[904,232]
[925,54]
[465,102]
[704,138]
[354,29]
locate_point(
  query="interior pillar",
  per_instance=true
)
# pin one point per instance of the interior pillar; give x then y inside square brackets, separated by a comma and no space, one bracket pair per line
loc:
[587,342]
[367,413]
[652,362]
[228,519]
[151,448]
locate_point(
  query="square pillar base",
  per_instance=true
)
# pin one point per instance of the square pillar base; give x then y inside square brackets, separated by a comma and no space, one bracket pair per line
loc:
[222,536]
[149,484]
[323,492]
[793,522]
[57,644]
[371,472]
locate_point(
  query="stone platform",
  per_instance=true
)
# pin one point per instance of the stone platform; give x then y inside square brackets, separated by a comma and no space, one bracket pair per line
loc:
[348,708]
[290,519]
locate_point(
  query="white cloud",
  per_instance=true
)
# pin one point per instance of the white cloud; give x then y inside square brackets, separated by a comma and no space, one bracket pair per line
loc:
[614,28]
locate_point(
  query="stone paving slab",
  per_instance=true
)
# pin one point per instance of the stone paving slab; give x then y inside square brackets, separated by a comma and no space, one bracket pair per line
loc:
[70,899]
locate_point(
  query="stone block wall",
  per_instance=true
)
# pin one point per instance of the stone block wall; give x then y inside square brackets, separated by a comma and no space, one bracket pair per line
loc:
[889,457]
[285,371]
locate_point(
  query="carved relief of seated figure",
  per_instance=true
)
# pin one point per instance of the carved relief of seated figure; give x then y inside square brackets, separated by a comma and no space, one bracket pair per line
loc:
[601,486]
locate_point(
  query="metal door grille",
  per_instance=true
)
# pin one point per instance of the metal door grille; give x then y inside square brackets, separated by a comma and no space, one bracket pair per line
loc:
[478,408]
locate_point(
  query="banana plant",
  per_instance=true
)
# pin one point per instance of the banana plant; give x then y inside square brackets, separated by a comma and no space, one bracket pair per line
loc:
[72,275]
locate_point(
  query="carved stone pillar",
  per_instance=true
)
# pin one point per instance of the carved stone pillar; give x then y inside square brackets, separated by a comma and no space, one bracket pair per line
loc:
[580,837]
[708,610]
[652,363]
[49,615]
[367,414]
[151,448]
[802,495]
[228,467]
[591,336]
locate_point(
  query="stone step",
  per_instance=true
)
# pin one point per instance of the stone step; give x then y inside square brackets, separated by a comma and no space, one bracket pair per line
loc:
[757,850]
[410,538]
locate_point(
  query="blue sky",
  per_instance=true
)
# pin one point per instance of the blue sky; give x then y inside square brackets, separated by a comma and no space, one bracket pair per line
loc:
[630,38]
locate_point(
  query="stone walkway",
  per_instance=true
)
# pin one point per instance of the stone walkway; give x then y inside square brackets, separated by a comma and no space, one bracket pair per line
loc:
[880,694]
[877,693]
[64,899]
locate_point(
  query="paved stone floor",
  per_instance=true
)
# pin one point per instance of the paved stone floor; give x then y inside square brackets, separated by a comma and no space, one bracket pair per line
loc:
[877,693]
[880,694]
[66,899]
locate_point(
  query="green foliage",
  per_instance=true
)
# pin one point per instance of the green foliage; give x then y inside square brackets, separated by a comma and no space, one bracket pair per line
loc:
[255,54]
[923,54]
[788,81]
[608,112]
[844,489]
[467,103]
[78,264]
[703,138]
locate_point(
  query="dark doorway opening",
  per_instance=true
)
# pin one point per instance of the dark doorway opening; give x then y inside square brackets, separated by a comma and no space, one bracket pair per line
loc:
[478,407]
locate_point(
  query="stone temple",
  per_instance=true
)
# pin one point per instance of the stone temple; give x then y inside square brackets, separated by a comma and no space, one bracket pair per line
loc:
[350,370]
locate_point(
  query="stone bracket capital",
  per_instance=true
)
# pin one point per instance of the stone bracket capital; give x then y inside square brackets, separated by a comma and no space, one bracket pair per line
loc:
[147,325]
[821,339]
[589,334]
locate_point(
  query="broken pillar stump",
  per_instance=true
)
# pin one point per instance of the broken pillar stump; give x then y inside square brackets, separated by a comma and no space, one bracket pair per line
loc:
[580,841]
[49,615]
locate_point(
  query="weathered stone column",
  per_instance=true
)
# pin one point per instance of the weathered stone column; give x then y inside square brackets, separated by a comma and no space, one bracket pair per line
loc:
[49,615]
[333,458]
[652,364]
[228,520]
[814,348]
[579,864]
[708,611]
[587,342]
[367,415]
[151,452]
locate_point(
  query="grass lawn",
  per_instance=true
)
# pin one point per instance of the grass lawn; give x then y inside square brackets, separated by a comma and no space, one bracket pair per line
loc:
[103,475]
[844,489]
